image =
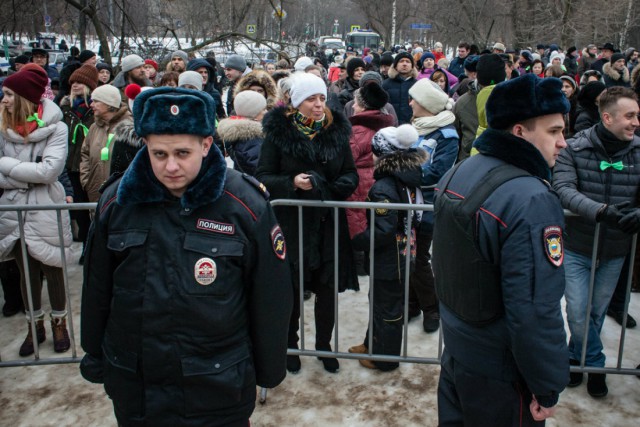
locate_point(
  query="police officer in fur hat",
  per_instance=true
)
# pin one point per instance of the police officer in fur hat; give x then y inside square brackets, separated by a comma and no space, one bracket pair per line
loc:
[498,265]
[187,292]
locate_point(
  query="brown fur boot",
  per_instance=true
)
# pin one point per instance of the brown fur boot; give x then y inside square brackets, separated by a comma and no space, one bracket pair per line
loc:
[61,341]
[26,349]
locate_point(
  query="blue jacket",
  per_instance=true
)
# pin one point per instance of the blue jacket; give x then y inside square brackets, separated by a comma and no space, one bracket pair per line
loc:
[398,90]
[457,66]
[513,229]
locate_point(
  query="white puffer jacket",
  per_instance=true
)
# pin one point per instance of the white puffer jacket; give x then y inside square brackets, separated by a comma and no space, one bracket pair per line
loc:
[29,176]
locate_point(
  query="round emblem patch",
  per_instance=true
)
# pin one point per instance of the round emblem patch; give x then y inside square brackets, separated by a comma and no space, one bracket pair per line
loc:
[278,243]
[175,110]
[205,271]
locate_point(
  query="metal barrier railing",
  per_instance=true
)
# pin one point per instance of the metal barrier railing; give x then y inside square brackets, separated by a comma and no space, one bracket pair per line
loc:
[336,353]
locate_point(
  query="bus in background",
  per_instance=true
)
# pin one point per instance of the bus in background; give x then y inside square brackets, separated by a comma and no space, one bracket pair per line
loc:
[361,39]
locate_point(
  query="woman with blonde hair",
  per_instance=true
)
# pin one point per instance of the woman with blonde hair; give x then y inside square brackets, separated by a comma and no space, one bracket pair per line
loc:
[33,150]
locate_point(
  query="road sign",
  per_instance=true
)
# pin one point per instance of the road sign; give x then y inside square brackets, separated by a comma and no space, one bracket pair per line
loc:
[251,29]
[355,28]
[420,26]
[47,21]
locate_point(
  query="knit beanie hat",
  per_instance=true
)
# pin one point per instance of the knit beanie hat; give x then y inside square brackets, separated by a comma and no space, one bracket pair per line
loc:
[338,59]
[151,62]
[490,70]
[29,83]
[386,59]
[589,93]
[616,57]
[132,91]
[429,95]
[402,55]
[569,80]
[471,62]
[370,76]
[526,54]
[190,78]
[304,85]
[236,62]
[391,139]
[104,66]
[353,64]
[131,62]
[555,54]
[535,97]
[302,63]
[21,59]
[108,94]
[427,55]
[85,55]
[87,75]
[371,96]
[180,54]
[249,104]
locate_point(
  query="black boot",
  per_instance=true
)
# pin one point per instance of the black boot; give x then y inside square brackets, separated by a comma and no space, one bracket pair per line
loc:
[10,278]
[575,378]
[597,385]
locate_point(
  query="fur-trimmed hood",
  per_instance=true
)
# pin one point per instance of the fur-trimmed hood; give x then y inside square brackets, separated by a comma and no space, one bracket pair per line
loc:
[279,126]
[140,185]
[262,79]
[393,73]
[125,133]
[405,165]
[635,75]
[608,70]
[234,129]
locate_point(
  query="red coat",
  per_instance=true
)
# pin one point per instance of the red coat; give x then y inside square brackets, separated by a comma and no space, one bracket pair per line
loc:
[364,126]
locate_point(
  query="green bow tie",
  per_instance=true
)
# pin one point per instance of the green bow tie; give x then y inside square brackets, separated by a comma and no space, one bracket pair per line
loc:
[617,165]
[34,118]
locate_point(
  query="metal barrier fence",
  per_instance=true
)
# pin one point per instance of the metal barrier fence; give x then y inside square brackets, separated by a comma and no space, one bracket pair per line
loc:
[303,351]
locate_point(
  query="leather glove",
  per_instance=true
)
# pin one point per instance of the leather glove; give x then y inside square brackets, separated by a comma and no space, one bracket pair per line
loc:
[91,369]
[630,223]
[612,214]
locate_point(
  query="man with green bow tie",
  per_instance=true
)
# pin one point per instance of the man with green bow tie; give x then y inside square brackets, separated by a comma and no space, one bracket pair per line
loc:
[597,176]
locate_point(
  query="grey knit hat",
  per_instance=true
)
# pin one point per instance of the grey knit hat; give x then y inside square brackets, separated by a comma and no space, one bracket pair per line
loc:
[181,54]
[190,78]
[370,76]
[130,62]
[236,62]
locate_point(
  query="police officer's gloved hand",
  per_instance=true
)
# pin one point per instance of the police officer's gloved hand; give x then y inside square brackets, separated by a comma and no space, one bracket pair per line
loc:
[91,368]
[611,214]
[630,223]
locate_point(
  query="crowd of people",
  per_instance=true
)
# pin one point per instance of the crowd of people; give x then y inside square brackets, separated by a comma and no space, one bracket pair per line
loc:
[149,143]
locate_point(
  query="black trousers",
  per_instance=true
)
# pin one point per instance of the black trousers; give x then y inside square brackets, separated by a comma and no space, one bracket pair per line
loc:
[324,316]
[81,218]
[467,399]
[10,278]
[422,290]
[388,320]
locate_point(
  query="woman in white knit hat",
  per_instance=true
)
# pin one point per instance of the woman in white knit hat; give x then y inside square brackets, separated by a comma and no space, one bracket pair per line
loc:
[306,155]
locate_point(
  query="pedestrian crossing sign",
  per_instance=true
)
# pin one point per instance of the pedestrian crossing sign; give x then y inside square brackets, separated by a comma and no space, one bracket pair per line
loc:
[251,29]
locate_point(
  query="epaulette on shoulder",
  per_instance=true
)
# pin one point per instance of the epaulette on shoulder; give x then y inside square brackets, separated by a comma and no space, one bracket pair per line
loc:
[257,184]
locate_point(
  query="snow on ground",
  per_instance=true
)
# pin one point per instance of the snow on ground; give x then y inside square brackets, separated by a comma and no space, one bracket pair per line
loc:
[56,395]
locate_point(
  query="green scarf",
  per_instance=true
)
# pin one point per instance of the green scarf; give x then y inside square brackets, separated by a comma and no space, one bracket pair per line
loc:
[307,126]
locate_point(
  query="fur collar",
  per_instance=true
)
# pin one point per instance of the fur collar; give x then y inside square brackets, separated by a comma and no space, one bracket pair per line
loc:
[393,73]
[615,74]
[139,184]
[514,150]
[372,119]
[233,130]
[325,146]
[406,165]
[125,133]
[635,75]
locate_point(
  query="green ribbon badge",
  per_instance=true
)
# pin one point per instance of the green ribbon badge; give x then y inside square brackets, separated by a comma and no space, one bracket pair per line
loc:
[34,118]
[617,165]
[85,131]
[104,153]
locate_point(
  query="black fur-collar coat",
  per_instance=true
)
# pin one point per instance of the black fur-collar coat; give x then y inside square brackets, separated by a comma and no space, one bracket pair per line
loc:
[287,152]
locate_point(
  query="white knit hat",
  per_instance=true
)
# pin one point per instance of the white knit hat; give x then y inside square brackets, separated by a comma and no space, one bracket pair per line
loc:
[304,85]
[302,63]
[249,104]
[430,96]
[130,62]
[190,78]
[108,94]
[392,139]
[555,54]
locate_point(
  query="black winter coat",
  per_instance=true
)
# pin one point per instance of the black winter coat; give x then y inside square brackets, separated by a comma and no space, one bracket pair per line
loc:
[186,302]
[398,89]
[395,174]
[287,152]
[583,189]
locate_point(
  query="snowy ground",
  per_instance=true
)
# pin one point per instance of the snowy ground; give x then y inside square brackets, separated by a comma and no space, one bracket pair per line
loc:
[56,395]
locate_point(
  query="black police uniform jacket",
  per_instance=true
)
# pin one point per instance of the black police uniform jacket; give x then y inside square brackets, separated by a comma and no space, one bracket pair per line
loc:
[512,228]
[186,302]
[287,152]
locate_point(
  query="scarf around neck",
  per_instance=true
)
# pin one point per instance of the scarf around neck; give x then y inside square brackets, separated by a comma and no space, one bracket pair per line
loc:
[428,125]
[308,126]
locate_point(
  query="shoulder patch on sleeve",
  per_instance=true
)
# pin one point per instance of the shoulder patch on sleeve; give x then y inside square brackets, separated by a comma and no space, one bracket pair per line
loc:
[553,247]
[278,243]
[257,184]
[382,211]
[449,133]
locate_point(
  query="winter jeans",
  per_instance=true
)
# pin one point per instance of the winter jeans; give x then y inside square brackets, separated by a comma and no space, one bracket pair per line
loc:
[577,269]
